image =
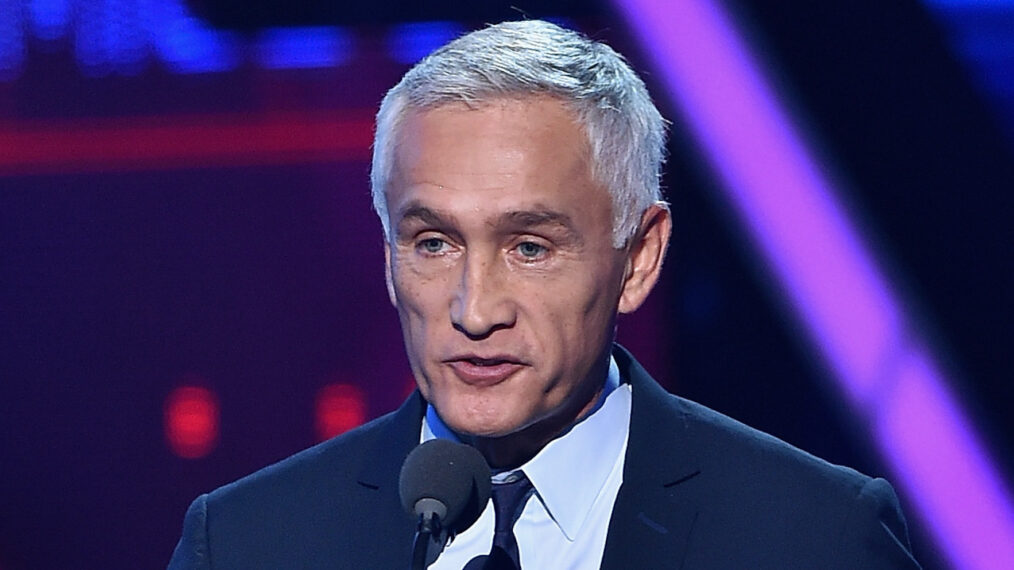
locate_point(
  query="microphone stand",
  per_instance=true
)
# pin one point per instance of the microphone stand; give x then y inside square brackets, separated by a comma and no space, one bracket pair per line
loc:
[430,538]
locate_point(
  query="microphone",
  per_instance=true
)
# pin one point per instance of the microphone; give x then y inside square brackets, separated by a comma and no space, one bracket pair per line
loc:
[444,486]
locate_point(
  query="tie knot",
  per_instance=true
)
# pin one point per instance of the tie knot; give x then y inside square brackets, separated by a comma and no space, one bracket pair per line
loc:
[509,498]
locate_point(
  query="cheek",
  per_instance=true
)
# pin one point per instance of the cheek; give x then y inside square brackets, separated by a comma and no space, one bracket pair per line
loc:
[422,303]
[580,300]
[570,319]
[412,307]
[583,320]
[414,290]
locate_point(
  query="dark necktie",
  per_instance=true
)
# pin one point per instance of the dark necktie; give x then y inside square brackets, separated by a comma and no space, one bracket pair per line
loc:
[509,500]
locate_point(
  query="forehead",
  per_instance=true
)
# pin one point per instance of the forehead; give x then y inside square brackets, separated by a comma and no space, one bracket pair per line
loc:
[529,129]
[503,155]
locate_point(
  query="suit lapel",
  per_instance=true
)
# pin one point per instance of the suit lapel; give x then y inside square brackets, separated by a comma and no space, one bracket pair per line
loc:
[392,444]
[386,526]
[654,513]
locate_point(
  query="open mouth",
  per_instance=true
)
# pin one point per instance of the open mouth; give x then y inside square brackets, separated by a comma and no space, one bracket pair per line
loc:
[479,371]
[486,361]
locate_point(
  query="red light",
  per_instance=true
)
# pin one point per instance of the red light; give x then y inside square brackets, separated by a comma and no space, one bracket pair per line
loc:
[191,421]
[146,143]
[340,407]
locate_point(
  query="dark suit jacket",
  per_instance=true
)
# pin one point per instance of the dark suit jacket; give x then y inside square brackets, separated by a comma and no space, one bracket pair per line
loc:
[700,490]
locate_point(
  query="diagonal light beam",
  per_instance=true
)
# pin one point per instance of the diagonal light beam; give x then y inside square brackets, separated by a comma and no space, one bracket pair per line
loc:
[829,276]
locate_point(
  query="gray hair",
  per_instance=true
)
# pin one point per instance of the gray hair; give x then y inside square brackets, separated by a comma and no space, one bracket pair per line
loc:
[625,131]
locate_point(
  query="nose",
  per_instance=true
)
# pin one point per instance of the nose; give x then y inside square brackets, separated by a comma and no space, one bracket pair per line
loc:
[482,303]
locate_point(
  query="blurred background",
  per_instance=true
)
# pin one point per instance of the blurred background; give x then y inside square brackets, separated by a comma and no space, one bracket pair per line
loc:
[191,278]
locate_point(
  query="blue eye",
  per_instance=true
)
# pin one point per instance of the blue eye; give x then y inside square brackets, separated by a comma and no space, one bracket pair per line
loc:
[432,245]
[530,249]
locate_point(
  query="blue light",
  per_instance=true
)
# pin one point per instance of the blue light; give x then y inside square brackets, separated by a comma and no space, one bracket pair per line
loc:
[89,41]
[124,37]
[982,35]
[998,77]
[187,45]
[970,3]
[110,38]
[563,22]
[408,43]
[12,41]
[303,48]
[190,48]
[987,45]
[50,18]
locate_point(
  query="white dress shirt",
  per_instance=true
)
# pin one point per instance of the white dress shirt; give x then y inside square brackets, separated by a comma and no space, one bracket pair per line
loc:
[576,478]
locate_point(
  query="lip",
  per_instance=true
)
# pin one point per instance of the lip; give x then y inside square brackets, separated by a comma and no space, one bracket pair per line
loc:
[476,370]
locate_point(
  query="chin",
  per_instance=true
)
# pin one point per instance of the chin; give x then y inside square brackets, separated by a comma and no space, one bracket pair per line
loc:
[488,424]
[484,429]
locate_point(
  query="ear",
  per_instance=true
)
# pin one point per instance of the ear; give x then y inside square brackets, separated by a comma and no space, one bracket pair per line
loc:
[645,255]
[388,274]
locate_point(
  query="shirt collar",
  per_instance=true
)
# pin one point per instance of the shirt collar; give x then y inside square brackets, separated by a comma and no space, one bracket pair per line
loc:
[569,472]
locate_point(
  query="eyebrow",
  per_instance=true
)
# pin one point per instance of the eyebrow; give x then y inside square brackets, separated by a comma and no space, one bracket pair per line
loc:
[554,225]
[512,221]
[417,212]
[540,217]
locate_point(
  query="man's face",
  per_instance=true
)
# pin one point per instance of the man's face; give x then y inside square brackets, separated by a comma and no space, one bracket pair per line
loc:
[501,265]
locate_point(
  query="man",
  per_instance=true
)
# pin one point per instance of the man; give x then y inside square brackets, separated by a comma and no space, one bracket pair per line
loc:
[515,173]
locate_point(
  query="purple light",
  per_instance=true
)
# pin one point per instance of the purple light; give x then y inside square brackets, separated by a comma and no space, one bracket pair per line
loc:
[782,196]
[918,424]
[827,274]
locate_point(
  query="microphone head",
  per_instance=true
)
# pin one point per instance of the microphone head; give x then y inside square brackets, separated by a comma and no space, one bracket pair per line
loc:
[453,474]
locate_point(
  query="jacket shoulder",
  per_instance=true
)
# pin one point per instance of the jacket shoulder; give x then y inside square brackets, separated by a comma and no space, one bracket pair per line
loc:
[779,505]
[311,507]
[338,458]
[743,452]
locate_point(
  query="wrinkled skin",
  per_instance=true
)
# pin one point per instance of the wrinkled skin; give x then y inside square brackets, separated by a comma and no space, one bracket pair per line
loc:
[502,269]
